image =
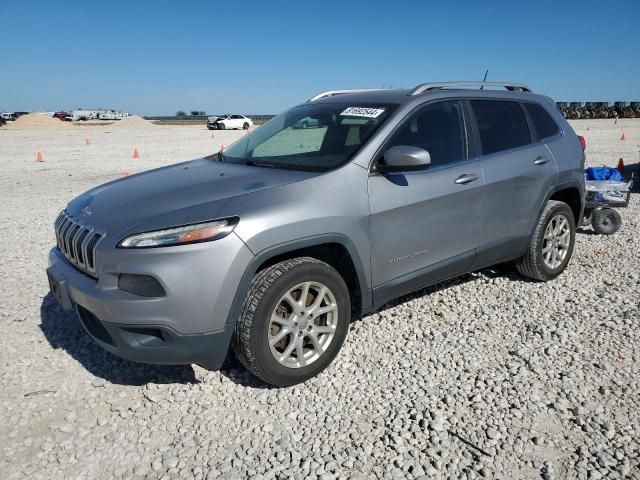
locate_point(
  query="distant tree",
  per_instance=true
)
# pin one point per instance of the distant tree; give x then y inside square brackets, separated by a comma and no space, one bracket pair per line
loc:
[202,113]
[180,113]
[195,112]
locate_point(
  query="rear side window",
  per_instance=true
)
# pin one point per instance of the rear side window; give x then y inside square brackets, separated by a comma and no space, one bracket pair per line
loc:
[545,126]
[502,125]
[439,129]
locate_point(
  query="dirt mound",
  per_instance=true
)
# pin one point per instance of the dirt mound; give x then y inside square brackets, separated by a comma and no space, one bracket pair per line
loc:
[132,121]
[37,121]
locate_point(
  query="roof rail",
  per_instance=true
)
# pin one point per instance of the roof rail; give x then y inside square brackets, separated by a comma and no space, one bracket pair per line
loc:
[333,93]
[512,87]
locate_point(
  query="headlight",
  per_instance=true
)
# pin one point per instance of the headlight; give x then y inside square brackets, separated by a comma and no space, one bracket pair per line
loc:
[199,232]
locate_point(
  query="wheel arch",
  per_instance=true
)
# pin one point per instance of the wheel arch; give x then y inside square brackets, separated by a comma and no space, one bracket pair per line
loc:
[571,196]
[569,193]
[333,249]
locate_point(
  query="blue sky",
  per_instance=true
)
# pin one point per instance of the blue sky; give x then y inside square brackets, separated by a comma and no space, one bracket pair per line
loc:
[156,57]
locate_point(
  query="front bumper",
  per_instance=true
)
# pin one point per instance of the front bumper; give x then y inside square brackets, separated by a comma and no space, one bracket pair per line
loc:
[189,324]
[157,344]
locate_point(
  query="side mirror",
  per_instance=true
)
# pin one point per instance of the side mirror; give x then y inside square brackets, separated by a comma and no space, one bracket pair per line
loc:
[404,158]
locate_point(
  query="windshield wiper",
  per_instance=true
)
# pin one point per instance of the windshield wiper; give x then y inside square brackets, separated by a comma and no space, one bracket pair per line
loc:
[253,163]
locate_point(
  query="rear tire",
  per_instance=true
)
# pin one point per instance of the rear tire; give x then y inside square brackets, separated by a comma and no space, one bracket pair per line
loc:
[606,221]
[245,126]
[261,343]
[551,245]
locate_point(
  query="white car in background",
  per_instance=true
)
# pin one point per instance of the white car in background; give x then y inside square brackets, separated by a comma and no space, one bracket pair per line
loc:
[229,122]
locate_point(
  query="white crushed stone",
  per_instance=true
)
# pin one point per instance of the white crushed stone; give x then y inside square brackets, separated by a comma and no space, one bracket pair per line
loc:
[486,376]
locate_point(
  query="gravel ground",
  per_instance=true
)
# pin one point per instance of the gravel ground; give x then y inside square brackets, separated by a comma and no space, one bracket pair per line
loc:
[487,376]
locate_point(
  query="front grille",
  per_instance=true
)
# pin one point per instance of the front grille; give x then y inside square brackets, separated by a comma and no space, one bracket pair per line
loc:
[78,242]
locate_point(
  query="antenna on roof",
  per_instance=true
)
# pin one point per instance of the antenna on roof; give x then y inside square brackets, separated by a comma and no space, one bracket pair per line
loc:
[484,79]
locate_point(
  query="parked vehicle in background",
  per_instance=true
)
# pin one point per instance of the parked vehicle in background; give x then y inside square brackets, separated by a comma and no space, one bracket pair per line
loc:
[19,114]
[64,116]
[231,122]
[7,117]
[274,245]
[307,122]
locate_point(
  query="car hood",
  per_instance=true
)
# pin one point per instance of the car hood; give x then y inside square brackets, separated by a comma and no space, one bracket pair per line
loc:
[179,194]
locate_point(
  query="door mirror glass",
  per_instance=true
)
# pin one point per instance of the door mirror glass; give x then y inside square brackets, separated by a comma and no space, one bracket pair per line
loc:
[404,158]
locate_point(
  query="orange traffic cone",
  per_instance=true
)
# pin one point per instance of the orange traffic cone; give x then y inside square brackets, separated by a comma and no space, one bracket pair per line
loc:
[588,128]
[135,153]
[39,157]
[87,142]
[620,166]
[623,137]
[213,135]
[126,173]
[222,148]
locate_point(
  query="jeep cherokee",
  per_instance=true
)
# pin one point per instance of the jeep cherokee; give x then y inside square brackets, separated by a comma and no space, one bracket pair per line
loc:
[275,244]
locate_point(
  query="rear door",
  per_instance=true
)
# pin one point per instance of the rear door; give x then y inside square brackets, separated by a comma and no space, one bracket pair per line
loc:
[424,224]
[519,171]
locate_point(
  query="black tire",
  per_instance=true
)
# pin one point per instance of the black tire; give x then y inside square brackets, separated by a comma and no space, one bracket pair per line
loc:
[606,221]
[221,126]
[532,264]
[250,339]
[245,126]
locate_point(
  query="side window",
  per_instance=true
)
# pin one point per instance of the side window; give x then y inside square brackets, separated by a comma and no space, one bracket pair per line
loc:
[439,129]
[502,125]
[236,117]
[545,126]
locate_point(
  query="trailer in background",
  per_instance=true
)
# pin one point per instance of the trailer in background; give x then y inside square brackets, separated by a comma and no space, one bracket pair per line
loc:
[82,114]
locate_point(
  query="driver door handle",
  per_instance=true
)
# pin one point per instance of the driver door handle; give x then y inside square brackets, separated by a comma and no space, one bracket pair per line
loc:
[465,178]
[541,160]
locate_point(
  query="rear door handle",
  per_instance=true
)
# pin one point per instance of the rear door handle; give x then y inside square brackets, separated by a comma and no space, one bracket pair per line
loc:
[541,160]
[465,178]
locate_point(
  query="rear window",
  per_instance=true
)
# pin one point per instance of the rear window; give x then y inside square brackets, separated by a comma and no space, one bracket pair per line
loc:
[501,125]
[542,121]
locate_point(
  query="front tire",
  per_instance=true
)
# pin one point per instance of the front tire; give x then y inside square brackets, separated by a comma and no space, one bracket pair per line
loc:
[245,126]
[551,245]
[221,126]
[293,321]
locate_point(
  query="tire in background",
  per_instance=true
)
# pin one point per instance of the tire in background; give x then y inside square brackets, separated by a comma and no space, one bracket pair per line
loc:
[606,221]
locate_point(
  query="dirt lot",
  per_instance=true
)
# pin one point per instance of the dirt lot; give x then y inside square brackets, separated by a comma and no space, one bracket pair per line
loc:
[487,376]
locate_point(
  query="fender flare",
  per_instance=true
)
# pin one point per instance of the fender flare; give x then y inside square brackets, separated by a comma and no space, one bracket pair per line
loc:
[306,242]
[556,188]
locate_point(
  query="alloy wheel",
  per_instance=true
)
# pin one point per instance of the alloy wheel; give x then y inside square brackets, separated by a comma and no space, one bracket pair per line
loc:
[303,324]
[557,239]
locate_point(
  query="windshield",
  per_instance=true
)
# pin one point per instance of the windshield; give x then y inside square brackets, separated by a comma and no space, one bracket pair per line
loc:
[310,137]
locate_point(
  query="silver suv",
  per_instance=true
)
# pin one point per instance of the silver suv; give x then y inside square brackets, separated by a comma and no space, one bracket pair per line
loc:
[276,244]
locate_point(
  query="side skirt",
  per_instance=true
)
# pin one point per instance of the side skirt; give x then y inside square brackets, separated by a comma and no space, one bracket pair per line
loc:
[422,278]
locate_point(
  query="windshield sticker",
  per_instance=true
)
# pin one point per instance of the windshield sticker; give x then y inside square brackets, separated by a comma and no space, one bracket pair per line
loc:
[362,112]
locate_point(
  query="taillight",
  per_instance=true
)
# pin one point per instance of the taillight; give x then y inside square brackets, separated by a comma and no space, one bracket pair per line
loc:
[583,144]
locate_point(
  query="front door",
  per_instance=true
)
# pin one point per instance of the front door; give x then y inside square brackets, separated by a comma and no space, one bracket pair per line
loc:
[424,224]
